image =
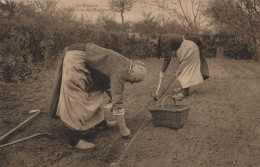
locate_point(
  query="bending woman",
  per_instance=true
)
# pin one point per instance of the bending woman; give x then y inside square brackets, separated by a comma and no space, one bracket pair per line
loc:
[193,67]
[85,72]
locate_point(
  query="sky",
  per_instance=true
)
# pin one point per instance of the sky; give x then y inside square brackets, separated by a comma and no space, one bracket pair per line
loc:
[92,9]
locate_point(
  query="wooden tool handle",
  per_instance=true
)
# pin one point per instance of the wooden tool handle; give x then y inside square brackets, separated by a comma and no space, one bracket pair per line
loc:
[23,139]
[158,88]
[17,127]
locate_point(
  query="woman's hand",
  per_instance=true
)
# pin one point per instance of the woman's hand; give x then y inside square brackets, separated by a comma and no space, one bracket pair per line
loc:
[161,75]
[125,132]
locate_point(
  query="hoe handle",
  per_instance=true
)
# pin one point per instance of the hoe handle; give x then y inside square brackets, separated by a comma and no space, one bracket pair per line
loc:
[23,139]
[17,127]
[158,87]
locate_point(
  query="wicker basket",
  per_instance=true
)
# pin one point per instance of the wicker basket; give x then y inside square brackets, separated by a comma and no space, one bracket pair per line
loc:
[169,115]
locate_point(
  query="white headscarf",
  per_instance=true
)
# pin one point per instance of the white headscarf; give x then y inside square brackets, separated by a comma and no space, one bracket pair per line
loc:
[137,72]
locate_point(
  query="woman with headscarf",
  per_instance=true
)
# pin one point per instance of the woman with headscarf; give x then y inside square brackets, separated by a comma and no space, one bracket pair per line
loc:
[85,72]
[193,67]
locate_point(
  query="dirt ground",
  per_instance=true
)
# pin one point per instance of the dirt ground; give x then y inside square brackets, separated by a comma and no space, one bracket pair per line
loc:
[223,128]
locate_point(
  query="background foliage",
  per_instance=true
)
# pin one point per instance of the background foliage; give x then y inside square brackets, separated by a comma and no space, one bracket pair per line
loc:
[33,33]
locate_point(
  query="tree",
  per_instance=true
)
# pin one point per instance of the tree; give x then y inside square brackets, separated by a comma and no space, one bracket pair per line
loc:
[7,9]
[108,23]
[151,24]
[46,6]
[237,17]
[121,6]
[188,13]
[31,36]
[192,21]
[146,26]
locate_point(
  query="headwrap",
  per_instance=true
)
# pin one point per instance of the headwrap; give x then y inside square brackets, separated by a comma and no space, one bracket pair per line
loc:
[137,72]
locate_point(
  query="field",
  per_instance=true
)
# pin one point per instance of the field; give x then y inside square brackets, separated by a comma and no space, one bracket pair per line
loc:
[223,128]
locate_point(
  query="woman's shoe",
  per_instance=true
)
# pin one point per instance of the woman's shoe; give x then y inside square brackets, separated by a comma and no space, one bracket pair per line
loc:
[125,132]
[83,145]
[105,125]
[178,96]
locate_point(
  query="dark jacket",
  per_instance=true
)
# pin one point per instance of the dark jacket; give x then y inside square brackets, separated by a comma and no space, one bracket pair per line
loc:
[172,42]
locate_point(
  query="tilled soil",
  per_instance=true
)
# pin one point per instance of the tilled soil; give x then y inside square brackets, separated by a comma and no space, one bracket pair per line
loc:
[223,128]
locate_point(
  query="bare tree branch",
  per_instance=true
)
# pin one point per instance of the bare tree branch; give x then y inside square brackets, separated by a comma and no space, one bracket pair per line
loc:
[121,6]
[196,14]
[184,15]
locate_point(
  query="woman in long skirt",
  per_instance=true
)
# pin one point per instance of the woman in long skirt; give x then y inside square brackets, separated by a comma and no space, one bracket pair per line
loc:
[193,67]
[84,74]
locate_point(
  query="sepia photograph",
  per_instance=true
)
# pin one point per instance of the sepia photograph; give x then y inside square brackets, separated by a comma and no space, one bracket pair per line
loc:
[130,83]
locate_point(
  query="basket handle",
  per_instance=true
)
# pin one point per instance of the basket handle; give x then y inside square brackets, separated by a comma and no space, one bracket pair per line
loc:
[166,98]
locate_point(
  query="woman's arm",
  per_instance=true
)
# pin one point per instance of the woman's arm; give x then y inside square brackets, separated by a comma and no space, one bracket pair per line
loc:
[108,91]
[166,62]
[117,87]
